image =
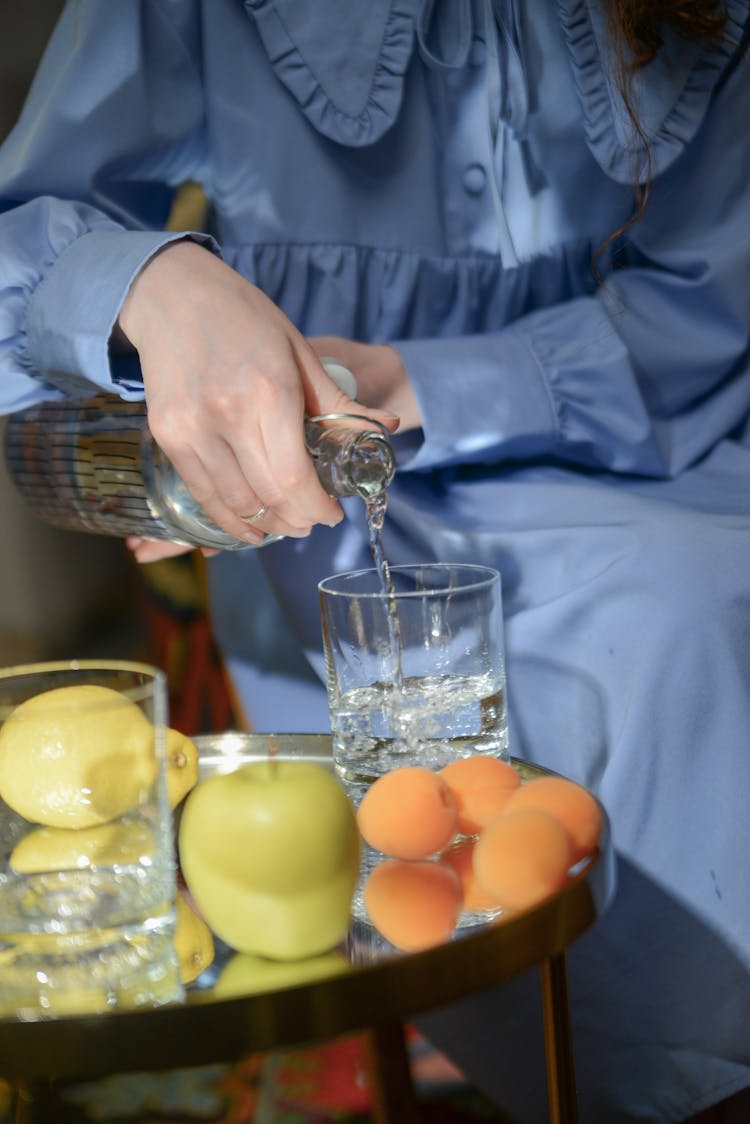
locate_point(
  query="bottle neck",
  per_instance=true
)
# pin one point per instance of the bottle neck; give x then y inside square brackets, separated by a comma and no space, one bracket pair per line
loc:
[353,454]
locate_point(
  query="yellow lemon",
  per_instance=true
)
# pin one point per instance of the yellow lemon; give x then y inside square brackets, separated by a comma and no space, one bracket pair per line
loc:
[60,848]
[193,941]
[182,766]
[33,1005]
[76,757]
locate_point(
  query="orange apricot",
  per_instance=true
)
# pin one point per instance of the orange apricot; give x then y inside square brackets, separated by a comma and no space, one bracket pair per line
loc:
[409,813]
[570,803]
[414,905]
[522,857]
[482,786]
[460,858]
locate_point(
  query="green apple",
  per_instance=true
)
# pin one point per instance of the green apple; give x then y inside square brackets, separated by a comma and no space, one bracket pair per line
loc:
[270,854]
[245,974]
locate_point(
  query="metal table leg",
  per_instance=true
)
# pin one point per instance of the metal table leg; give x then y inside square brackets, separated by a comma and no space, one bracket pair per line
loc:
[391,1086]
[34,1103]
[558,1042]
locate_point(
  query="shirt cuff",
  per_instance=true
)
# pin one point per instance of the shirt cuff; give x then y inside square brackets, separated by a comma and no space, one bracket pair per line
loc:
[483,399]
[75,306]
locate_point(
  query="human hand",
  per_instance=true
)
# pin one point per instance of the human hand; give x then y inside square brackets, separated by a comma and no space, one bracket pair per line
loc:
[155,550]
[382,381]
[228,381]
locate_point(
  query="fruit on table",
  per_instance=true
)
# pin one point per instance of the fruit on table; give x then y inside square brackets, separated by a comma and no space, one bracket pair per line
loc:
[409,813]
[75,757]
[127,841]
[414,905]
[482,786]
[522,857]
[571,804]
[270,855]
[182,766]
[460,859]
[193,940]
[520,842]
[48,1001]
[245,974]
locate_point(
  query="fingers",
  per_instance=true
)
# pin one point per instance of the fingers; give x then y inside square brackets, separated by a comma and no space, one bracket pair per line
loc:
[286,480]
[256,515]
[228,382]
[285,497]
[245,450]
[154,550]
[222,489]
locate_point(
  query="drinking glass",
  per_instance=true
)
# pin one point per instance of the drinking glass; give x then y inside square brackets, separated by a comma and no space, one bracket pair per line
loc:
[87,867]
[415,672]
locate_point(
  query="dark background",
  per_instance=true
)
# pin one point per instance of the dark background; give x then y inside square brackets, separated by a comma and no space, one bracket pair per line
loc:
[62,594]
[25,26]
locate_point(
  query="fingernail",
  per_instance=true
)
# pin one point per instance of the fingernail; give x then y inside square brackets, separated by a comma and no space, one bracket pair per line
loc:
[253,537]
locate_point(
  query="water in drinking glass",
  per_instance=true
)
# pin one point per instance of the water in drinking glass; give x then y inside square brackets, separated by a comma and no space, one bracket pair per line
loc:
[429,720]
[416,671]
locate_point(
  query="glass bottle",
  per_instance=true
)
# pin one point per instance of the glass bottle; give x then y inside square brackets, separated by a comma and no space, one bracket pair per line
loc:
[93,466]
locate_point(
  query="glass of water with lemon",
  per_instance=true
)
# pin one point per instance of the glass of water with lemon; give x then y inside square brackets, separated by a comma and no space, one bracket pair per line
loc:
[87,867]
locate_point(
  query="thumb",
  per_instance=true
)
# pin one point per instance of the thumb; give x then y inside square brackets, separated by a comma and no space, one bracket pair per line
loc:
[345,401]
[341,375]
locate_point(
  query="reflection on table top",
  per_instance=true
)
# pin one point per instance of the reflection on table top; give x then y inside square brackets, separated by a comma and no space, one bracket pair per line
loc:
[379,986]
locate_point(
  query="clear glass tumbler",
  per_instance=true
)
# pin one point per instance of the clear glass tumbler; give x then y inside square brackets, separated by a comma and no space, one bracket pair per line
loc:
[415,675]
[87,866]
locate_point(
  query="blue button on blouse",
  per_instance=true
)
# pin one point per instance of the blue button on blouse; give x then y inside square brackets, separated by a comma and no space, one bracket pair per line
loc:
[474,179]
[477,52]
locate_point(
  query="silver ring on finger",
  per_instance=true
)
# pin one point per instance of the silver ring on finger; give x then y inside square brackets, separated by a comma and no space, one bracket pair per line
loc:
[256,514]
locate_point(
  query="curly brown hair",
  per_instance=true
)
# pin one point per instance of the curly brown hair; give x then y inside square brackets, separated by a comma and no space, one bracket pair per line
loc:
[642,23]
[638,28]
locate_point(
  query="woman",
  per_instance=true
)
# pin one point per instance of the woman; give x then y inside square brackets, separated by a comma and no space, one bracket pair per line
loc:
[420,190]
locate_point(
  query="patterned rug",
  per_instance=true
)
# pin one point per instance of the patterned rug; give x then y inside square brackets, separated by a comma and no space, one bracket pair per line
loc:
[326,1084]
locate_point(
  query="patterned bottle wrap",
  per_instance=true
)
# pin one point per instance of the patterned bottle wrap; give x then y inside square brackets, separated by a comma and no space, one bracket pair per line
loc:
[80,465]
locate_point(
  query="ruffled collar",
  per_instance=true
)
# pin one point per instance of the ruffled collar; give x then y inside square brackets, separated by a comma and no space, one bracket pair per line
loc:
[670,95]
[348,81]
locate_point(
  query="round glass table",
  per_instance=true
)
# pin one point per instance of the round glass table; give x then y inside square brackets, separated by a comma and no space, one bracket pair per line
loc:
[377,992]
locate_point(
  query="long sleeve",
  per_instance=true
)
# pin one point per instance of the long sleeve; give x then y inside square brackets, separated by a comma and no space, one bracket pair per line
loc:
[112,124]
[645,375]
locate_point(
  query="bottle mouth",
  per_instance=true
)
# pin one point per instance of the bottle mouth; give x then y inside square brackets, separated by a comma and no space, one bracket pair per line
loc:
[362,463]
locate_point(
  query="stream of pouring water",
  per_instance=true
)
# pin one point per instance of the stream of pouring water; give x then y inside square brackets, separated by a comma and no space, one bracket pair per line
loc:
[376,508]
